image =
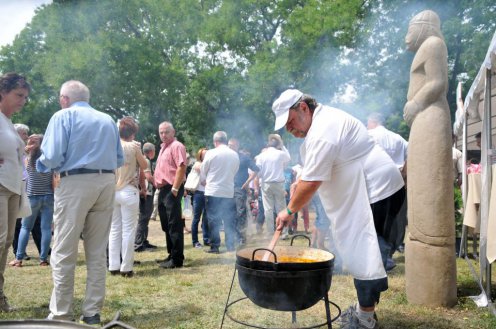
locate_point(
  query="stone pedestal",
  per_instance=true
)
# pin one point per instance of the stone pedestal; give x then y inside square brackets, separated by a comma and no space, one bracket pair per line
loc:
[435,268]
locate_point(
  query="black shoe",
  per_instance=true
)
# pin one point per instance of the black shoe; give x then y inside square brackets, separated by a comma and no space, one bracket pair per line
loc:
[128,274]
[170,264]
[115,272]
[139,249]
[91,320]
[213,251]
[150,246]
[206,243]
[158,261]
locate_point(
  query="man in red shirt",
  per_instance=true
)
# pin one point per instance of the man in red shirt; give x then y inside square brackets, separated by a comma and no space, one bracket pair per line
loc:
[169,178]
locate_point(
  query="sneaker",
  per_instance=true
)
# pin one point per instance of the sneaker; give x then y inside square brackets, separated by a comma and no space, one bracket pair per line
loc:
[90,320]
[197,245]
[349,320]
[4,305]
[16,263]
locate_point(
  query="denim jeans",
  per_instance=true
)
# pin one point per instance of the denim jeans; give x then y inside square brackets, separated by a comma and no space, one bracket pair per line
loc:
[322,222]
[198,211]
[43,205]
[221,210]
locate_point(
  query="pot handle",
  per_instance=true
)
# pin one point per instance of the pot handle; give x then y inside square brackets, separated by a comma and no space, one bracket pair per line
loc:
[301,235]
[266,249]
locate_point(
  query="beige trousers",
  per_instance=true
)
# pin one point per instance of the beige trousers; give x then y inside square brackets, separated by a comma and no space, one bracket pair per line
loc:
[83,204]
[9,208]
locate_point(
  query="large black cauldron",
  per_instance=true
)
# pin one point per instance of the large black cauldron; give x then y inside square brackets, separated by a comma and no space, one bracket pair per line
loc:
[294,278]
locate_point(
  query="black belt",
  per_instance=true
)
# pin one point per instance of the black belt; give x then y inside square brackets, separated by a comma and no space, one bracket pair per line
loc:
[85,171]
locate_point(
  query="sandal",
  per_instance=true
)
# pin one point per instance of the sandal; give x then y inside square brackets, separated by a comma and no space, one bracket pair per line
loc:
[44,263]
[16,263]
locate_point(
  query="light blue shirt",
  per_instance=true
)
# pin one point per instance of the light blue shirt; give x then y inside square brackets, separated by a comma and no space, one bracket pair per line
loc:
[80,137]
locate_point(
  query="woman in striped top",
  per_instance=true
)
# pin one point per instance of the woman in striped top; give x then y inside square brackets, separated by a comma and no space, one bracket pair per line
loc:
[40,192]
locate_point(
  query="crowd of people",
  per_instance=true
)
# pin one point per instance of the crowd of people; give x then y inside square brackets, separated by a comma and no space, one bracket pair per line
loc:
[105,195]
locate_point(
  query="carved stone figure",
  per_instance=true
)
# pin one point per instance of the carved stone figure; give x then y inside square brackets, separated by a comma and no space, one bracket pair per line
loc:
[430,252]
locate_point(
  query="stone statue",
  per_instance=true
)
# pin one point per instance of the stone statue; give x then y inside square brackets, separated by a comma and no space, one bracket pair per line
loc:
[430,247]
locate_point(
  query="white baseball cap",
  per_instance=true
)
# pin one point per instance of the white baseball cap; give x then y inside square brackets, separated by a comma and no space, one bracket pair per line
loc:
[281,106]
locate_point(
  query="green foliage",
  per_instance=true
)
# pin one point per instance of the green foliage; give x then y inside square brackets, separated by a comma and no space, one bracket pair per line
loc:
[217,65]
[458,208]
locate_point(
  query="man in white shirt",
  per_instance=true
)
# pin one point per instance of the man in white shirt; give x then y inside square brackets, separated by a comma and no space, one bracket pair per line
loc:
[335,153]
[217,172]
[394,145]
[272,162]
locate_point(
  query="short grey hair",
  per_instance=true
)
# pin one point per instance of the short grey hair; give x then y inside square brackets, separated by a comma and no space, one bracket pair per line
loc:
[21,127]
[376,117]
[76,91]
[220,137]
[148,147]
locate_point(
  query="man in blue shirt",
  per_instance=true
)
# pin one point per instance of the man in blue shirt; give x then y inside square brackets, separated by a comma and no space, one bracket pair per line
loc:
[241,185]
[83,145]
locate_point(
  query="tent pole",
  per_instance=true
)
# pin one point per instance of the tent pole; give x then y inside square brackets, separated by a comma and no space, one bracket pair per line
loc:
[484,264]
[462,250]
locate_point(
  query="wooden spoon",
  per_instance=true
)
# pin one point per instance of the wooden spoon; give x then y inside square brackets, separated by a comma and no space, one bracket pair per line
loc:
[272,244]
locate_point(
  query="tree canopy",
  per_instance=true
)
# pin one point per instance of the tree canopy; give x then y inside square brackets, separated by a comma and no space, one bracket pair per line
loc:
[208,65]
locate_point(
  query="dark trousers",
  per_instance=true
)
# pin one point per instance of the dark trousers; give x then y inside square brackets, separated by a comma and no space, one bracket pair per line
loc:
[169,210]
[384,213]
[240,197]
[369,291]
[146,209]
[36,232]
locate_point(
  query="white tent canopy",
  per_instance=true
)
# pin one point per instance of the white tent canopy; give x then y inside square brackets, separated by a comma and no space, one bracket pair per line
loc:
[474,102]
[478,114]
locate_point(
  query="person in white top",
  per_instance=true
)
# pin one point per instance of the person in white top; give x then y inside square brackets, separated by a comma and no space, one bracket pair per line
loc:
[14,91]
[394,145]
[457,157]
[390,223]
[217,174]
[334,155]
[272,162]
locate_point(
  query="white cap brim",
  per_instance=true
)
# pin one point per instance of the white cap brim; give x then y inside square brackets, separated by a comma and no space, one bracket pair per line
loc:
[281,106]
[281,120]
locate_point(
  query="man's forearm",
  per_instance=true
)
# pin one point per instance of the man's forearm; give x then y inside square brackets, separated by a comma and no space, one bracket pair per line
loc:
[303,194]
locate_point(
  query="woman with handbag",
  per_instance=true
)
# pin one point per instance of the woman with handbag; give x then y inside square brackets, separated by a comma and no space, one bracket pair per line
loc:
[194,186]
[14,91]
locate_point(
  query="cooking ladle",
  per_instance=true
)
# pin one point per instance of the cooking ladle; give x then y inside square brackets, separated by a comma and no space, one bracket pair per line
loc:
[272,244]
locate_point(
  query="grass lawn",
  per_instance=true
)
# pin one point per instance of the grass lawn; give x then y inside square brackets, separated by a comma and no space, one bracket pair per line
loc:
[195,296]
